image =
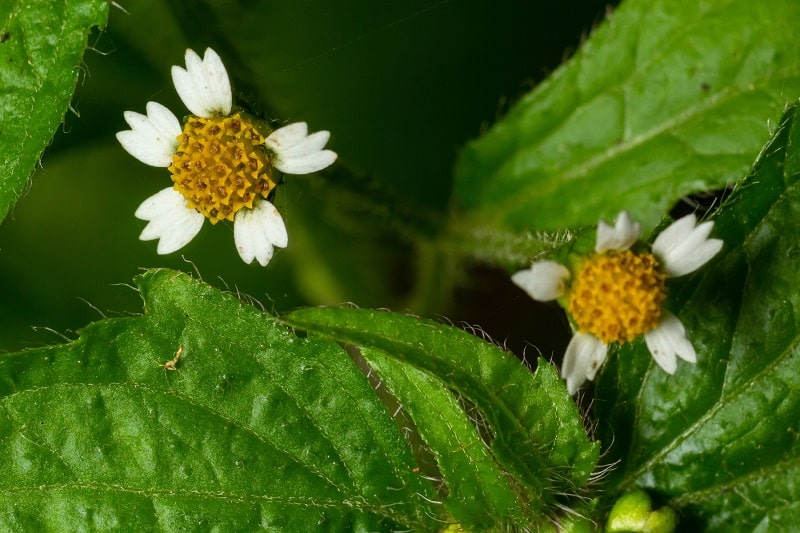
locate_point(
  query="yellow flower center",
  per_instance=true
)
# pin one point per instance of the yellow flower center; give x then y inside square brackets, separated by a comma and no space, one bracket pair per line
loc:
[221,166]
[617,296]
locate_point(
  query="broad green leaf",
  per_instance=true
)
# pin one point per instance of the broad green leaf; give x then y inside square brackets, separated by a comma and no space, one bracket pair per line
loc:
[666,98]
[719,439]
[479,494]
[41,45]
[255,428]
[537,433]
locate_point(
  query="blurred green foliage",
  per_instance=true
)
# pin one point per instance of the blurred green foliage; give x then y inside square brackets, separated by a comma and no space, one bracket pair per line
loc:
[400,85]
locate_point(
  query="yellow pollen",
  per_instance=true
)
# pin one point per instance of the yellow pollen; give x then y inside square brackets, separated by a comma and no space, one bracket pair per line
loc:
[617,296]
[221,166]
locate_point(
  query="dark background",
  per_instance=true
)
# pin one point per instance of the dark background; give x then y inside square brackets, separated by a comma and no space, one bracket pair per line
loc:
[400,84]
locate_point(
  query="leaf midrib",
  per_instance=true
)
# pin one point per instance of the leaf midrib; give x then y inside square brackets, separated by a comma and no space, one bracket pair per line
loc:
[218,494]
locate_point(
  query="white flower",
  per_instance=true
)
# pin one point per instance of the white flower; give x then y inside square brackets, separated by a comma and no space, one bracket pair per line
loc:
[233,146]
[617,294]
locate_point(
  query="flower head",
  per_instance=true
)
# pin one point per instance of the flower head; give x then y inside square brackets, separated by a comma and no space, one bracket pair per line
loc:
[222,165]
[617,293]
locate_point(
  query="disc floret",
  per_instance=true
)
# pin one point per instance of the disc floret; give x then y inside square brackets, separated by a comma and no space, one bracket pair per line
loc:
[221,166]
[618,296]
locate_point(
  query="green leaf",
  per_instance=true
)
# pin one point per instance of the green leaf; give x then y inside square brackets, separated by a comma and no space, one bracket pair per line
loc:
[256,428]
[41,45]
[537,433]
[665,99]
[719,439]
[479,494]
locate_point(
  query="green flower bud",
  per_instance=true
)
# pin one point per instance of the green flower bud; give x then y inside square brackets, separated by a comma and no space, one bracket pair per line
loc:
[633,513]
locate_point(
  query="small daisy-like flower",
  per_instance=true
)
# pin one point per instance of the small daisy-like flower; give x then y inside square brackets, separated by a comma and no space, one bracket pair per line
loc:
[222,165]
[617,294]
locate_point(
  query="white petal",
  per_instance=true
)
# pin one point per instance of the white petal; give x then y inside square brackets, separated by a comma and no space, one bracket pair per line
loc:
[170,220]
[619,238]
[296,152]
[684,246]
[164,120]
[676,232]
[543,281]
[585,354]
[203,86]
[313,143]
[668,340]
[153,138]
[306,164]
[287,136]
[217,77]
[256,231]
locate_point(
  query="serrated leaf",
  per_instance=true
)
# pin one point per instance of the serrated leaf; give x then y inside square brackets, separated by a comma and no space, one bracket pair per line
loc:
[538,435]
[479,494]
[719,439]
[254,429]
[665,99]
[41,45]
